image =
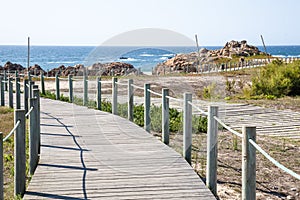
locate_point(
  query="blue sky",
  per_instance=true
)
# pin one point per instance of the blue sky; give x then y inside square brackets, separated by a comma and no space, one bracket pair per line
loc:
[92,22]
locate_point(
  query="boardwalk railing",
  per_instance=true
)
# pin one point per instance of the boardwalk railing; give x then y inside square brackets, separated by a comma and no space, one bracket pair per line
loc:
[248,134]
[19,132]
[211,67]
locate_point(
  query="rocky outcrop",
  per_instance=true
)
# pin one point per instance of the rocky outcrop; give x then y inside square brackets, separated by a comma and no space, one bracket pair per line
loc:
[13,67]
[189,62]
[36,70]
[97,69]
[111,69]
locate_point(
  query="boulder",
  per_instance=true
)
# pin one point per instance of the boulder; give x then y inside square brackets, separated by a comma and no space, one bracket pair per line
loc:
[188,62]
[13,67]
[36,70]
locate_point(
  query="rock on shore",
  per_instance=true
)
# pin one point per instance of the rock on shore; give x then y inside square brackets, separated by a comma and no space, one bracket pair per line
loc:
[97,69]
[188,62]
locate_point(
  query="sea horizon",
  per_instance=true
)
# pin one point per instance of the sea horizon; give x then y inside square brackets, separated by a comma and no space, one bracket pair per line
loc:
[49,57]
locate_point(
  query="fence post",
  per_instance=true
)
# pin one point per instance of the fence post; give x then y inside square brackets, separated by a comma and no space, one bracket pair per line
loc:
[212,149]
[85,90]
[36,94]
[165,116]
[19,154]
[18,93]
[187,127]
[57,86]
[43,84]
[10,93]
[33,135]
[130,100]
[147,119]
[5,79]
[99,93]
[248,164]
[26,89]
[114,96]
[1,166]
[2,91]
[70,87]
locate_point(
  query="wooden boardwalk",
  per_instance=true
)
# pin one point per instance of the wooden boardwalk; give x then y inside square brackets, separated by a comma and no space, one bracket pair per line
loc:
[89,154]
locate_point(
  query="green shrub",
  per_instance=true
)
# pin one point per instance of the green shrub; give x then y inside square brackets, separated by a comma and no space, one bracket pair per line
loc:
[277,79]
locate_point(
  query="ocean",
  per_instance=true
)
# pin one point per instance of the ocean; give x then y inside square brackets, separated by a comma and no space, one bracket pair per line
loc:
[49,57]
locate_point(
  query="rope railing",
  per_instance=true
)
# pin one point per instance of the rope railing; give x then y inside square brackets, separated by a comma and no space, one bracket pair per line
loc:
[227,127]
[77,79]
[122,84]
[29,111]
[137,87]
[60,78]
[175,99]
[198,109]
[12,131]
[155,93]
[105,82]
[276,163]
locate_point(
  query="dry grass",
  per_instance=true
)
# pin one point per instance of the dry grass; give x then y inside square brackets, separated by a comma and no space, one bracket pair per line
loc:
[272,183]
[6,124]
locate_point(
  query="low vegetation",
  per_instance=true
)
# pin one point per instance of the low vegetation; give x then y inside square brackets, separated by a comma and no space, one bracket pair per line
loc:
[6,124]
[277,79]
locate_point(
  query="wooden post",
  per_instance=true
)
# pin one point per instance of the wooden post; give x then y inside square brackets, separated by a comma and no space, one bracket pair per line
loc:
[18,93]
[212,150]
[19,154]
[43,84]
[248,164]
[10,93]
[26,89]
[130,100]
[85,90]
[147,119]
[114,96]
[1,166]
[165,116]
[5,79]
[57,86]
[70,87]
[2,91]
[99,93]
[33,136]
[187,127]
[36,94]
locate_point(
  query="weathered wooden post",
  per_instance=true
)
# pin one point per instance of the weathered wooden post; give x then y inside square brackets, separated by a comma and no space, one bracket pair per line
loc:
[248,164]
[99,93]
[85,90]
[18,93]
[130,100]
[19,154]
[212,149]
[57,86]
[2,91]
[33,135]
[70,87]
[10,93]
[114,96]
[42,83]
[147,119]
[165,116]
[187,127]
[26,89]
[36,94]
[5,80]
[1,166]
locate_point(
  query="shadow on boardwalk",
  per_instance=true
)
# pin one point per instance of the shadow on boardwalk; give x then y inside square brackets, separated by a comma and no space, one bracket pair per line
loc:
[89,154]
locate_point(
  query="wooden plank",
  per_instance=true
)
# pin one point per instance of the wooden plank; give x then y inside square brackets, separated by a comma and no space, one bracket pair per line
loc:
[91,154]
